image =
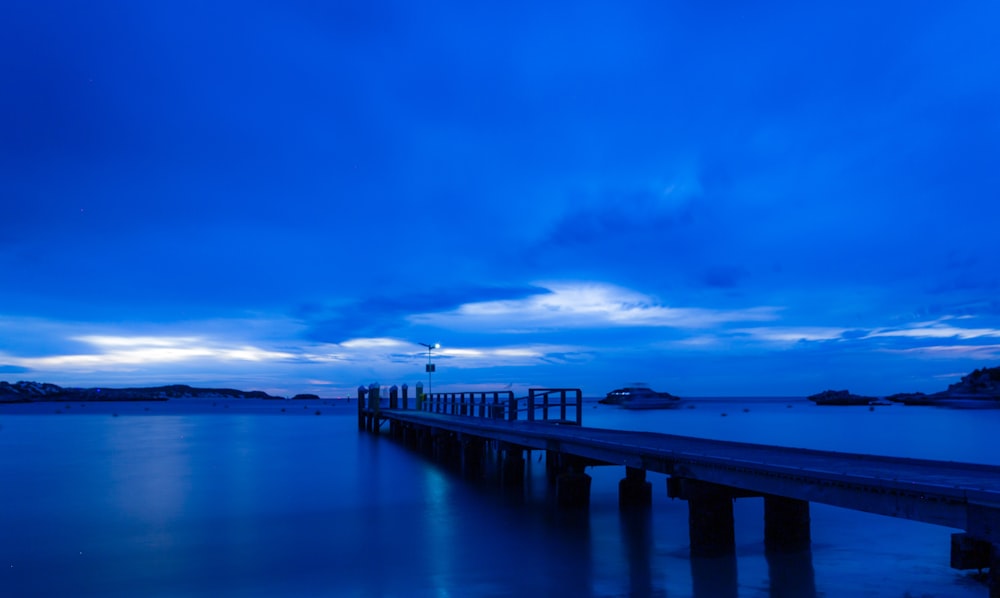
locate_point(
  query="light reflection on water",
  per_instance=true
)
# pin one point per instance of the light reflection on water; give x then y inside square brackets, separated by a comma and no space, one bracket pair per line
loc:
[270,505]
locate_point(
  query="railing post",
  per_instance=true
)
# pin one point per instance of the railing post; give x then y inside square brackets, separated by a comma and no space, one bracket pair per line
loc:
[512,406]
[420,396]
[562,404]
[545,409]
[393,397]
[406,397]
[579,407]
[531,404]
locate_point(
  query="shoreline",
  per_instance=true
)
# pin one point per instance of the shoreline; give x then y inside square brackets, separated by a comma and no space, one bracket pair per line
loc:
[185,406]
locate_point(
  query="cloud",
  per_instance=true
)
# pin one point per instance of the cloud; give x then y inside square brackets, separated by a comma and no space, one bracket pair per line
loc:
[583,305]
[793,334]
[112,352]
[936,330]
[13,369]
[380,315]
[988,353]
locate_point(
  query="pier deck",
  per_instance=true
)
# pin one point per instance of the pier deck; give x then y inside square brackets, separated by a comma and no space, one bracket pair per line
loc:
[939,492]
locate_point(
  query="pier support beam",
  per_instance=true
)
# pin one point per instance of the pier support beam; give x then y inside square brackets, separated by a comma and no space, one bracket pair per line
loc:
[512,466]
[634,490]
[425,440]
[993,576]
[786,524]
[553,465]
[447,448]
[473,450]
[572,483]
[710,516]
[573,489]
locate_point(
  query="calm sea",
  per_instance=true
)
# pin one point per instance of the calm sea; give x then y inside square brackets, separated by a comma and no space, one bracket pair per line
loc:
[242,499]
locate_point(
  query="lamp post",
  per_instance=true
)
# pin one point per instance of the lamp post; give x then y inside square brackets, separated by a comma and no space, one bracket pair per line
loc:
[430,366]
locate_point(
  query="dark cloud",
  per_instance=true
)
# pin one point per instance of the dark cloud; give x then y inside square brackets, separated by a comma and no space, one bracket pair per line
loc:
[384,315]
[13,369]
[725,277]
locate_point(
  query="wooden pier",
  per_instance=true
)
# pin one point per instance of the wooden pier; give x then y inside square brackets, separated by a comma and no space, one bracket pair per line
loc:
[708,474]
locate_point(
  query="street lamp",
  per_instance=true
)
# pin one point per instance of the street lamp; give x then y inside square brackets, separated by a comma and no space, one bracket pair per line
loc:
[430,366]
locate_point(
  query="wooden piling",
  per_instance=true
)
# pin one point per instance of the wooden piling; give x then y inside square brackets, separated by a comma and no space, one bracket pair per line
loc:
[573,489]
[993,576]
[634,490]
[551,465]
[572,482]
[786,524]
[393,404]
[473,452]
[710,516]
[361,407]
[374,400]
[511,466]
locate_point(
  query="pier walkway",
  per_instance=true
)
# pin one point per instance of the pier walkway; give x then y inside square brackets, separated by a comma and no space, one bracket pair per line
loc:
[709,474]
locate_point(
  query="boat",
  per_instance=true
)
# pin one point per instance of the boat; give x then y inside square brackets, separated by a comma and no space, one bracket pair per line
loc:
[640,396]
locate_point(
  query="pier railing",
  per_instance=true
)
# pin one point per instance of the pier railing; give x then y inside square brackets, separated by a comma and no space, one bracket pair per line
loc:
[559,400]
[556,405]
[493,404]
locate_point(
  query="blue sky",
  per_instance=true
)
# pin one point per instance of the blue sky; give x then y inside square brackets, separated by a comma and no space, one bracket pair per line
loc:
[713,198]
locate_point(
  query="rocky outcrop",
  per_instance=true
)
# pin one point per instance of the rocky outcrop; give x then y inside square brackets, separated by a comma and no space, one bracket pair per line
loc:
[983,383]
[840,397]
[24,391]
[910,398]
[29,391]
[981,386]
[305,397]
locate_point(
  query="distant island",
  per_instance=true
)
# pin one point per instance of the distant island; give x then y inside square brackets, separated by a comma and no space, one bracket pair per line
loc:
[26,392]
[841,397]
[981,388]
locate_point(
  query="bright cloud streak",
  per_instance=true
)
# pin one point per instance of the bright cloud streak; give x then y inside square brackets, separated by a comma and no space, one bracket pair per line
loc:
[938,331]
[953,351]
[585,305]
[375,343]
[117,351]
[793,334]
[138,341]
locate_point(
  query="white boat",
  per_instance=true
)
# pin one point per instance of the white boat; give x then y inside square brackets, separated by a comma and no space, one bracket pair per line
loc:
[640,396]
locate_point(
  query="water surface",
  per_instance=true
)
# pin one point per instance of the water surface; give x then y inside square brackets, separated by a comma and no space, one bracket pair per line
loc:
[199,499]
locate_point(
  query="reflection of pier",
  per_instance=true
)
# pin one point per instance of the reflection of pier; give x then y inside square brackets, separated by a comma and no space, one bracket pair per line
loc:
[708,474]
